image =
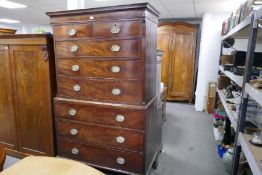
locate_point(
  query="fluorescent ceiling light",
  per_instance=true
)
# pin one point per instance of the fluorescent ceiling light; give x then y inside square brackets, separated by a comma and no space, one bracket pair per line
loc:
[11,5]
[4,20]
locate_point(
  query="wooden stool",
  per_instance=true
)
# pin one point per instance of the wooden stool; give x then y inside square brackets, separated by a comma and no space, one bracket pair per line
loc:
[2,157]
[38,165]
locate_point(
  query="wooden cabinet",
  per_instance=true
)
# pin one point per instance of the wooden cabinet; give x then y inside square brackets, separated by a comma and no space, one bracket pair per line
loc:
[4,31]
[26,94]
[105,108]
[178,41]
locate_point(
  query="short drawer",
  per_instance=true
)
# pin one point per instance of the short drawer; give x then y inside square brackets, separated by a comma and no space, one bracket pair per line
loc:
[117,29]
[102,157]
[100,135]
[105,114]
[67,31]
[100,89]
[127,69]
[108,48]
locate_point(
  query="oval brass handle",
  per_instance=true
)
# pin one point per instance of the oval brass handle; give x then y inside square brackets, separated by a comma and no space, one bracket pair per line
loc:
[115,69]
[75,68]
[74,48]
[115,29]
[120,160]
[75,151]
[120,118]
[120,139]
[76,88]
[116,91]
[71,32]
[72,112]
[74,131]
[115,48]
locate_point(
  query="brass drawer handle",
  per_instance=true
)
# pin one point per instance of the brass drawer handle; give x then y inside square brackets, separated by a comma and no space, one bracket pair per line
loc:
[74,131]
[75,68]
[115,48]
[74,48]
[76,88]
[72,112]
[116,91]
[120,118]
[115,69]
[115,29]
[71,32]
[120,160]
[120,139]
[75,151]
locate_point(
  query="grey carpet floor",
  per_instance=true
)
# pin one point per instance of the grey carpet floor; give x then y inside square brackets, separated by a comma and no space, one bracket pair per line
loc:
[189,144]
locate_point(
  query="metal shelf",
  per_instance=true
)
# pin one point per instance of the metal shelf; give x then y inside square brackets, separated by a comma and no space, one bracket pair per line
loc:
[258,14]
[237,79]
[256,94]
[232,115]
[252,153]
[241,31]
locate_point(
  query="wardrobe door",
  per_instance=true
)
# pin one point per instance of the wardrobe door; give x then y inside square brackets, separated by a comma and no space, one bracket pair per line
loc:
[182,71]
[33,99]
[177,40]
[7,114]
[164,43]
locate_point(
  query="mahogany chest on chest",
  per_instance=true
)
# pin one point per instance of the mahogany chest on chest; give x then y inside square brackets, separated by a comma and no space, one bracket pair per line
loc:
[105,107]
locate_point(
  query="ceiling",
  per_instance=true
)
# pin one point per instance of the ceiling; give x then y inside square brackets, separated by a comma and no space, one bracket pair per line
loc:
[35,13]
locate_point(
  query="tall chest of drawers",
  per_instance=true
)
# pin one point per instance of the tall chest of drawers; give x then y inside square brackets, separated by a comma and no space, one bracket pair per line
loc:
[105,107]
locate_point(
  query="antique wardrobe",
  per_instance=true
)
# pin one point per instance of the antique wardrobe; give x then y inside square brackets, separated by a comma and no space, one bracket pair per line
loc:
[177,40]
[105,109]
[27,88]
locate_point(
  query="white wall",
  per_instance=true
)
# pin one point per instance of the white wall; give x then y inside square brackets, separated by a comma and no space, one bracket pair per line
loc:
[210,45]
[9,26]
[26,28]
[32,28]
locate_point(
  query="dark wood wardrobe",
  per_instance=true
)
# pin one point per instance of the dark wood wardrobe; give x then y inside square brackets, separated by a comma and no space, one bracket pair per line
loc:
[178,41]
[27,87]
[105,108]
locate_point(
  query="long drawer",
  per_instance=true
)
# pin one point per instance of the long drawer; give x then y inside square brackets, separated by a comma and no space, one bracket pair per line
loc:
[106,114]
[127,69]
[99,89]
[102,157]
[106,48]
[100,135]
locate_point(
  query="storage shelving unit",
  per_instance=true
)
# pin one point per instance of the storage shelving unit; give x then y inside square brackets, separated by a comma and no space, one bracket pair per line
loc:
[256,94]
[236,78]
[252,153]
[248,29]
[232,115]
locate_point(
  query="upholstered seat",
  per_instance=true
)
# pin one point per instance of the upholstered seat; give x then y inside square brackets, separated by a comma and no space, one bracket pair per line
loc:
[38,165]
[2,157]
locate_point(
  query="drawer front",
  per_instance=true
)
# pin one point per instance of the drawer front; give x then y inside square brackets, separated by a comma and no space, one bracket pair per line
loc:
[129,69]
[73,31]
[103,157]
[102,90]
[100,135]
[110,48]
[106,115]
[117,29]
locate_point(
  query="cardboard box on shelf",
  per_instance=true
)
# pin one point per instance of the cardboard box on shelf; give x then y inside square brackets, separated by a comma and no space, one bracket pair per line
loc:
[222,82]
